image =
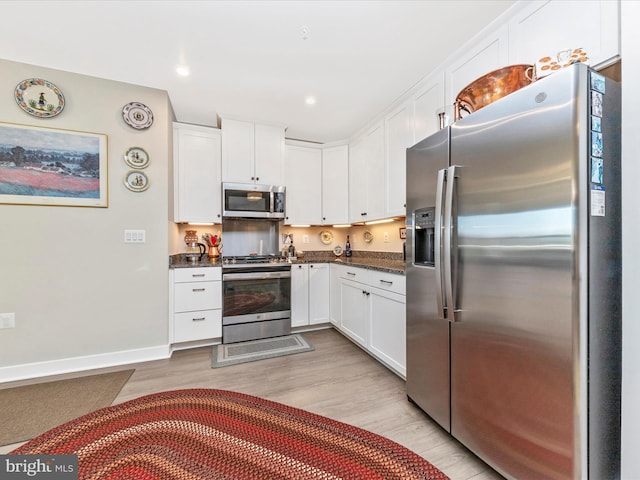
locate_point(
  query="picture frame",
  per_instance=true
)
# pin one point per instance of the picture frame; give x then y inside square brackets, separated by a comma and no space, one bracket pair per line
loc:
[47,166]
[403,233]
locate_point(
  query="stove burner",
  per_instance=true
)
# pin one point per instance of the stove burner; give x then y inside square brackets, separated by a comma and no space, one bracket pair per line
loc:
[257,261]
[253,259]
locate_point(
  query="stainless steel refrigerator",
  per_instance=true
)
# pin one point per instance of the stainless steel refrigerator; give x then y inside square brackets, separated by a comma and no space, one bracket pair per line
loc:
[514,279]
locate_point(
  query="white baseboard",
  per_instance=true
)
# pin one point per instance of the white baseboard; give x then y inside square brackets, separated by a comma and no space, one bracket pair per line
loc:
[79,364]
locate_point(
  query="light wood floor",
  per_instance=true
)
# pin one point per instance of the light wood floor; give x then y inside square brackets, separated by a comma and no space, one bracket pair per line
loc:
[337,380]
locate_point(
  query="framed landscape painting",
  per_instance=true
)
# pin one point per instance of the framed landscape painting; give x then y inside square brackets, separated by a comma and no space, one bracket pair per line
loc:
[46,166]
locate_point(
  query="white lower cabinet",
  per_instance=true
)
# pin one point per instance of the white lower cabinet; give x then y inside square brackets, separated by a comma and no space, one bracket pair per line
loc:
[196,295]
[372,312]
[354,311]
[387,328]
[309,294]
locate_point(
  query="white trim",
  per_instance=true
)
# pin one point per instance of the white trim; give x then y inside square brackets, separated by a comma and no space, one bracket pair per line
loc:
[78,364]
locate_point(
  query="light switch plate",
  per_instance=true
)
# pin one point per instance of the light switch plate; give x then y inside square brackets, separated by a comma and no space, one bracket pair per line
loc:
[135,236]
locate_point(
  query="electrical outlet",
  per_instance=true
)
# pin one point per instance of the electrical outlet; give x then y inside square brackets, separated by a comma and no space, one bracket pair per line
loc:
[305,239]
[135,236]
[7,320]
[386,237]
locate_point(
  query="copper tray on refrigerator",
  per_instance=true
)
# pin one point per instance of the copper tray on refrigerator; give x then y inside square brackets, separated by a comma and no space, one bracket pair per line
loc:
[491,87]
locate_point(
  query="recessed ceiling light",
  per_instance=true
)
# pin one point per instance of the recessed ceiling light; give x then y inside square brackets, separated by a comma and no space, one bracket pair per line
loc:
[183,70]
[310,100]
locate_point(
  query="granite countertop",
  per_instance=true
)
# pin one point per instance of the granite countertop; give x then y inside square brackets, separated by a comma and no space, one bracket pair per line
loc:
[181,261]
[370,263]
[380,261]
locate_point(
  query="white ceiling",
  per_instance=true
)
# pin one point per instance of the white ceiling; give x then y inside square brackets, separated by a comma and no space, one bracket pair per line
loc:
[248,58]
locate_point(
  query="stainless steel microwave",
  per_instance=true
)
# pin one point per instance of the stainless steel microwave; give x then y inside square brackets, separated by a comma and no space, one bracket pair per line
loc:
[246,200]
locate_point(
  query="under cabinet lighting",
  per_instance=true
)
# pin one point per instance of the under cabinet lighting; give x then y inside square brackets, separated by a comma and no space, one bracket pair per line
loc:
[375,222]
[203,223]
[300,225]
[341,226]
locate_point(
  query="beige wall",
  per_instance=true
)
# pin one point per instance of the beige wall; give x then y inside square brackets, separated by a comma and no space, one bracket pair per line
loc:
[76,288]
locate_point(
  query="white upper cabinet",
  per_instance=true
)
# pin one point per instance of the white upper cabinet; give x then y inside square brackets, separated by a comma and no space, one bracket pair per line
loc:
[398,130]
[252,153]
[335,185]
[303,180]
[196,170]
[426,102]
[366,176]
[485,55]
[269,154]
[543,28]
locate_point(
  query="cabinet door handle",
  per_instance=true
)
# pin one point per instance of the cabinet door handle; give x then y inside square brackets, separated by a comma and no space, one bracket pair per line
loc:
[198,319]
[194,275]
[299,266]
[386,282]
[310,266]
[199,289]
[257,178]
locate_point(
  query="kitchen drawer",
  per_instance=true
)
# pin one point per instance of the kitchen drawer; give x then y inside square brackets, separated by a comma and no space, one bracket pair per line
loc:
[197,296]
[387,281]
[354,274]
[197,274]
[198,325]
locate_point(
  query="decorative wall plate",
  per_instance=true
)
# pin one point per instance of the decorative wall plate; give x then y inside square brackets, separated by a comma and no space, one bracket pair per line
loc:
[326,237]
[136,157]
[368,237]
[39,98]
[337,251]
[137,115]
[136,181]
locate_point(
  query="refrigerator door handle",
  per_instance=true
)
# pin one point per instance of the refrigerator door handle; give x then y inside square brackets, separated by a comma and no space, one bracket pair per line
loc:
[437,241]
[448,234]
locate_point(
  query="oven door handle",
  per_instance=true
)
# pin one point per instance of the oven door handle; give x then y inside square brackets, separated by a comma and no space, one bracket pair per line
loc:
[255,275]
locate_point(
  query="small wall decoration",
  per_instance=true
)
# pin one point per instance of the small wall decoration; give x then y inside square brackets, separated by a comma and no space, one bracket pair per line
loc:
[39,98]
[368,237]
[137,115]
[403,233]
[136,157]
[326,237]
[46,166]
[136,181]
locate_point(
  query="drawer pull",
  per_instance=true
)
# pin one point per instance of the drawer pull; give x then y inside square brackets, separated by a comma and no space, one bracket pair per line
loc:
[198,319]
[386,282]
[199,289]
[351,273]
[194,275]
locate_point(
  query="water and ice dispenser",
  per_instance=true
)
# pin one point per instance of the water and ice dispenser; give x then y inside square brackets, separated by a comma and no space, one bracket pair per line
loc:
[424,220]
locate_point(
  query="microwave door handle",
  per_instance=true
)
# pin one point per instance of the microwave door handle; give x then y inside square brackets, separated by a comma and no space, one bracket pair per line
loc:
[448,250]
[437,250]
[272,202]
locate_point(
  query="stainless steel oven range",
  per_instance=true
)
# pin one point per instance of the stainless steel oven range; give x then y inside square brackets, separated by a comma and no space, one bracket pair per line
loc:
[256,300]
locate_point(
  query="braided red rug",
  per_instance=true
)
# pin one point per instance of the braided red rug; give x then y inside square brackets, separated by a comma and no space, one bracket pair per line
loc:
[217,434]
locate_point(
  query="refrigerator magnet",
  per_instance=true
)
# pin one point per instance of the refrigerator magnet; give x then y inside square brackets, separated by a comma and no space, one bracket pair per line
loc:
[596,144]
[596,103]
[596,124]
[596,170]
[597,82]
[597,201]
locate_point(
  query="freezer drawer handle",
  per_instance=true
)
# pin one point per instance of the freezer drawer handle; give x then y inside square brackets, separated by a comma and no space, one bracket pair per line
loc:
[194,275]
[386,282]
[198,319]
[198,289]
